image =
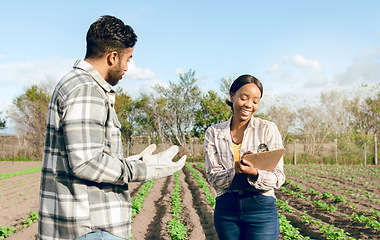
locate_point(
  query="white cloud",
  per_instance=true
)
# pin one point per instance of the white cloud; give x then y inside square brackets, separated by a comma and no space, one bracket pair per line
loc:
[273,69]
[14,77]
[363,70]
[179,70]
[300,61]
[135,88]
[138,73]
[297,71]
[26,73]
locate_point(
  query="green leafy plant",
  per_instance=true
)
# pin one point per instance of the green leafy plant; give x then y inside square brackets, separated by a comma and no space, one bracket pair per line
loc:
[176,229]
[202,184]
[288,230]
[6,231]
[21,172]
[138,200]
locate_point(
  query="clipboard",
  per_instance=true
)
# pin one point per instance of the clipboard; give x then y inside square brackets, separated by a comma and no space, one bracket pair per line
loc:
[264,161]
[267,160]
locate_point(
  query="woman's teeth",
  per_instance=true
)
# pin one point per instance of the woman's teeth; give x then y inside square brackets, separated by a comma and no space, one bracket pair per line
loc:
[245,112]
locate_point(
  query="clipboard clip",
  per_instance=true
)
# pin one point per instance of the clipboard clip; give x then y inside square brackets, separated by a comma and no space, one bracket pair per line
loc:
[261,148]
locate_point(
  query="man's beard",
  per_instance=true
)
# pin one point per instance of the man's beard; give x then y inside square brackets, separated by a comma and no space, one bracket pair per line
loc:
[114,75]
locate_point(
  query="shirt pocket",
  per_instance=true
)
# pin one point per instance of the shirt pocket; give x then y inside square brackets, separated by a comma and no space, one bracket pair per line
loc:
[226,157]
[113,143]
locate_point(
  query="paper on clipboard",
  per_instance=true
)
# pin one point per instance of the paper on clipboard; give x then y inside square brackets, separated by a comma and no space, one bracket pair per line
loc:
[264,161]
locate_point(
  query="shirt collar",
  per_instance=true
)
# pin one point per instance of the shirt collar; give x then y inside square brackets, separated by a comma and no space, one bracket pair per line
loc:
[226,129]
[87,67]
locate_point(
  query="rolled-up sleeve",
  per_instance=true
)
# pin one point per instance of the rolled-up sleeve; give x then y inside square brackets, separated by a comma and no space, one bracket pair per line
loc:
[92,138]
[220,175]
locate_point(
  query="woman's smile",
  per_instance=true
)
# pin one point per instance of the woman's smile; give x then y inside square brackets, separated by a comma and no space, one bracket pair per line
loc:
[245,112]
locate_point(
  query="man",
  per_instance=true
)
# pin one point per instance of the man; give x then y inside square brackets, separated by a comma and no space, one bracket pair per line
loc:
[84,183]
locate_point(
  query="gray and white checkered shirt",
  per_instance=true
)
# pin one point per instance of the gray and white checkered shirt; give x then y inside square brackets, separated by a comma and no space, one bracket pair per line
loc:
[220,156]
[84,181]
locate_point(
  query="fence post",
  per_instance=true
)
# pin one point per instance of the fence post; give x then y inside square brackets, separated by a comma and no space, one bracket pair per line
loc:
[336,150]
[128,148]
[365,153]
[295,153]
[192,148]
[375,157]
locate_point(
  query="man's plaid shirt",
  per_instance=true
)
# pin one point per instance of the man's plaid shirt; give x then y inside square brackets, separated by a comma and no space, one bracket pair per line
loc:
[84,182]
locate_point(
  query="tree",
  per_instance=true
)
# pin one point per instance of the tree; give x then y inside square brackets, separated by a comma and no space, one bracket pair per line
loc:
[319,122]
[283,117]
[29,113]
[150,115]
[182,101]
[2,123]
[363,120]
[213,109]
[225,84]
[124,107]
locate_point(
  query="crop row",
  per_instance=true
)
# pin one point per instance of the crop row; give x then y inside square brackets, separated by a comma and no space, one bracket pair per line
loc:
[332,197]
[329,231]
[356,175]
[20,172]
[138,199]
[202,183]
[358,172]
[177,230]
[287,229]
[365,220]
[8,230]
[358,192]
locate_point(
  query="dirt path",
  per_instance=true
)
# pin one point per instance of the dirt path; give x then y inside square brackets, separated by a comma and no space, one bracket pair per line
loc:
[9,166]
[29,233]
[151,221]
[192,221]
[203,209]
[20,197]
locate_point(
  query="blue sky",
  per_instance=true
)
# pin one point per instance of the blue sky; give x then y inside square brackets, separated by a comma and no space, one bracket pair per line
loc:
[296,48]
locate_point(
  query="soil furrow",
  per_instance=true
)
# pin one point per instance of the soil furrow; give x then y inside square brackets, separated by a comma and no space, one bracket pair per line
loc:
[336,218]
[148,211]
[343,182]
[191,217]
[362,204]
[162,216]
[134,187]
[203,209]
[10,166]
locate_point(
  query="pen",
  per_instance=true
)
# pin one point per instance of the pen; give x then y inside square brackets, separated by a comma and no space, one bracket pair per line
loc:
[242,151]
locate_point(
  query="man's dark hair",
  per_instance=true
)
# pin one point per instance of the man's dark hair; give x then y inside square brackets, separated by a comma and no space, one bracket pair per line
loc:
[108,34]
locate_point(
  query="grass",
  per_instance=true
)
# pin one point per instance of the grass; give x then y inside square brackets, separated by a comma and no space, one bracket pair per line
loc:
[20,159]
[21,172]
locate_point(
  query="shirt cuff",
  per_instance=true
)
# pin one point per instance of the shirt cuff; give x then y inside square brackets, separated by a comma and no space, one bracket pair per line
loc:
[136,171]
[255,180]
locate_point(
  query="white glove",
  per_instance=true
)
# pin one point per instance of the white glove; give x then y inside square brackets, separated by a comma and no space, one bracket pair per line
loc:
[147,150]
[161,165]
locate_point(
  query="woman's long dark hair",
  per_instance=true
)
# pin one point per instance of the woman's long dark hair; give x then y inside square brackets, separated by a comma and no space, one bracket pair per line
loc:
[241,81]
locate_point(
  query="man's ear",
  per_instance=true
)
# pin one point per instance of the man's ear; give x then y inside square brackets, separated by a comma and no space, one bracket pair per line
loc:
[231,97]
[112,58]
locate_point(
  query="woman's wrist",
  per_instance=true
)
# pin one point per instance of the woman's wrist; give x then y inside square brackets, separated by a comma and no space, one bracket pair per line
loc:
[255,175]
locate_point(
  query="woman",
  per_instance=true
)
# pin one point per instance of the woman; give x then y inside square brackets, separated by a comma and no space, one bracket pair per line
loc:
[249,212]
